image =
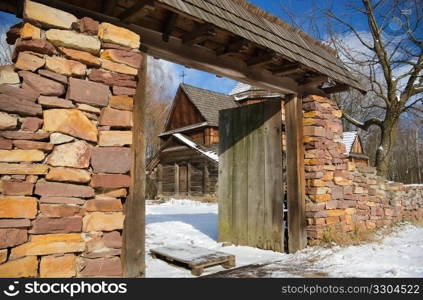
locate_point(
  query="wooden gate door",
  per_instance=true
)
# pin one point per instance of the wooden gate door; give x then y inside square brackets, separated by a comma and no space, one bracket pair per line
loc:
[250,176]
[183,179]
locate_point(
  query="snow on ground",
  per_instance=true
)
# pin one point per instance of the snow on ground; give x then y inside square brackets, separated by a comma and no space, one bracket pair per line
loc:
[185,222]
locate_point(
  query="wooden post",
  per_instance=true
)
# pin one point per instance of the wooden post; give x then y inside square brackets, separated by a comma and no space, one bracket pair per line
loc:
[297,236]
[206,180]
[176,179]
[159,179]
[133,252]
[189,170]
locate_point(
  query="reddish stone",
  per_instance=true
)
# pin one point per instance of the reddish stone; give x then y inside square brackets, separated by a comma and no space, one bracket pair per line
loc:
[100,267]
[29,61]
[60,210]
[22,135]
[23,94]
[30,145]
[98,254]
[16,105]
[110,78]
[88,92]
[32,124]
[119,90]
[17,188]
[56,225]
[112,239]
[14,223]
[115,117]
[111,160]
[41,84]
[129,58]
[11,237]
[103,205]
[38,46]
[110,181]
[52,75]
[6,144]
[62,200]
[55,189]
[88,25]
[105,45]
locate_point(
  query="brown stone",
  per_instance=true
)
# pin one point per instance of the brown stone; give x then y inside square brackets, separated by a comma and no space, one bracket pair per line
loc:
[73,40]
[88,25]
[103,205]
[14,223]
[111,160]
[75,155]
[18,207]
[113,34]
[103,253]
[25,169]
[60,210]
[50,244]
[55,189]
[22,135]
[56,225]
[62,200]
[112,239]
[115,138]
[100,221]
[22,94]
[24,267]
[116,118]
[55,102]
[109,78]
[105,193]
[29,31]
[119,68]
[21,155]
[5,144]
[7,121]
[110,181]
[41,84]
[69,175]
[3,255]
[54,76]
[8,75]
[65,66]
[81,56]
[30,145]
[47,16]
[70,121]
[11,237]
[58,266]
[129,58]
[28,61]
[121,102]
[32,124]
[21,107]
[101,267]
[88,92]
[17,188]
[120,90]
[38,46]
[118,47]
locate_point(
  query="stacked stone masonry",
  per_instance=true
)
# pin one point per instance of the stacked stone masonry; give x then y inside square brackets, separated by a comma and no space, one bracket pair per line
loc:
[340,195]
[65,138]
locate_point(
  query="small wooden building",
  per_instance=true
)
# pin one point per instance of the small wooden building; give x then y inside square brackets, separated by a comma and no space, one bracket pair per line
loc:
[354,147]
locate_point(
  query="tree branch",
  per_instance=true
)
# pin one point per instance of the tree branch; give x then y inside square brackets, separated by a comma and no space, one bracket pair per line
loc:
[365,126]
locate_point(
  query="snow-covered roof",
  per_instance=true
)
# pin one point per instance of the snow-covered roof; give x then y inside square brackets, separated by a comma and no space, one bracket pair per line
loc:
[190,143]
[240,88]
[348,140]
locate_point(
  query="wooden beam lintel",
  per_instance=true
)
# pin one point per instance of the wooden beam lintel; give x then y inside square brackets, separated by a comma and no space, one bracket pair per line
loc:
[199,35]
[336,89]
[140,8]
[262,60]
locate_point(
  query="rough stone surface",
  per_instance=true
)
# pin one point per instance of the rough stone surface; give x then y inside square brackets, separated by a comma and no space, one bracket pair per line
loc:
[113,34]
[17,188]
[29,61]
[119,68]
[23,135]
[103,205]
[30,145]
[24,169]
[50,244]
[53,75]
[41,84]
[60,210]
[14,223]
[65,66]
[10,237]
[18,207]
[81,56]
[99,221]
[32,124]
[115,138]
[115,117]
[57,138]
[43,225]
[88,25]
[7,121]
[23,94]
[8,75]
[110,181]
[101,267]
[70,121]
[109,78]
[129,58]
[89,108]
[106,193]
[38,46]
[122,102]
[48,16]
[6,144]
[21,107]
[62,200]
[68,175]
[29,31]
[58,266]
[54,102]
[111,160]
[88,92]
[24,267]
[55,189]
[112,239]
[21,155]
[3,255]
[70,39]
[121,90]
[75,155]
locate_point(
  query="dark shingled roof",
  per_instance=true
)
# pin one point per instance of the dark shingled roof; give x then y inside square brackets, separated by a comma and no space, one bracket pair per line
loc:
[208,103]
[258,26]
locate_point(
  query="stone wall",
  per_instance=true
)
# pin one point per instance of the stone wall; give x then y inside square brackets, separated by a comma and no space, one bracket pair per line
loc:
[65,136]
[341,195]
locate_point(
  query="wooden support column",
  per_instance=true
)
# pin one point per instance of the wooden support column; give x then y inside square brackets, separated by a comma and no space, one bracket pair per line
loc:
[133,252]
[206,180]
[176,179]
[159,179]
[297,236]
[189,171]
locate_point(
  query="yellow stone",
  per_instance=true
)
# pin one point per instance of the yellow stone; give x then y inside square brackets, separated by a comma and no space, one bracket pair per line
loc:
[24,267]
[321,198]
[337,113]
[332,220]
[68,175]
[3,255]
[98,221]
[312,114]
[316,182]
[47,15]
[23,169]
[115,138]
[50,244]
[81,56]
[121,102]
[348,219]
[29,61]
[342,181]
[119,68]
[335,212]
[18,207]
[55,266]
[74,40]
[118,35]
[65,66]
[351,166]
[29,31]
[21,155]
[350,211]
[328,176]
[114,193]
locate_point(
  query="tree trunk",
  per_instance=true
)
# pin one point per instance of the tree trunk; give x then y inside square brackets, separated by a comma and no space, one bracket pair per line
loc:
[389,133]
